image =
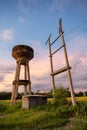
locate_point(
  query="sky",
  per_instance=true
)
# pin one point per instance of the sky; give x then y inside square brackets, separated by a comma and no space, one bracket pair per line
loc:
[30,22]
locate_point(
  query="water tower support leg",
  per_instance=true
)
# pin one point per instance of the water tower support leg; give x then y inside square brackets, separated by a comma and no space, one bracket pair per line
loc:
[28,72]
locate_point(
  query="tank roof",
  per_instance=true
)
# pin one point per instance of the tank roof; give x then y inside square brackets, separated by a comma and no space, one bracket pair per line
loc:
[22,51]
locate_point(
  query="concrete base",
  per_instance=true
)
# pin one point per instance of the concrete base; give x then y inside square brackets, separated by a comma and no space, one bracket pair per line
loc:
[30,101]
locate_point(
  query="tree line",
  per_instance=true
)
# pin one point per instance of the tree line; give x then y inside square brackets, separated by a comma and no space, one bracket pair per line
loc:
[7,95]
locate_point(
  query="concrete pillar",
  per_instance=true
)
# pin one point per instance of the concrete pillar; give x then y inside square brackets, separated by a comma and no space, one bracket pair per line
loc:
[28,72]
[25,77]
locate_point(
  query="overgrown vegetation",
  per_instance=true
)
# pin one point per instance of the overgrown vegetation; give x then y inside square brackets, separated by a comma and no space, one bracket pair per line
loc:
[60,96]
[53,116]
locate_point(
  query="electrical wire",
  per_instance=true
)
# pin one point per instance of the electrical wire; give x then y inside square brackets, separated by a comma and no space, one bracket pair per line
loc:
[76,27]
[44,48]
[78,34]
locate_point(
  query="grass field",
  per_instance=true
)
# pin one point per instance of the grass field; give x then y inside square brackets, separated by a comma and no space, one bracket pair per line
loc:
[83,98]
[49,117]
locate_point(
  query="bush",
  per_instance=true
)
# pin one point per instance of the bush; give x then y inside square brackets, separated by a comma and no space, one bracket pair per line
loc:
[60,96]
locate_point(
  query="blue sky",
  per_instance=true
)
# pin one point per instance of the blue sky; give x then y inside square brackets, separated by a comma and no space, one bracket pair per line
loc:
[30,22]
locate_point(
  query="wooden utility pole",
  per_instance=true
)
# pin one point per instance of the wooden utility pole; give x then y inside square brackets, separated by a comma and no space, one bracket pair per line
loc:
[67,64]
[51,64]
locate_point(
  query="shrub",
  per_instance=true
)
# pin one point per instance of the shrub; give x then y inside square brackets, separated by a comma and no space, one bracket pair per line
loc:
[60,96]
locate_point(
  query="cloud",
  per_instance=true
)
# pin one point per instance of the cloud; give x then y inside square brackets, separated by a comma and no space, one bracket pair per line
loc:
[40,67]
[1,78]
[40,70]
[24,6]
[6,83]
[59,5]
[21,19]
[80,6]
[78,55]
[7,68]
[62,5]
[6,76]
[79,71]
[7,35]
[79,43]
[41,83]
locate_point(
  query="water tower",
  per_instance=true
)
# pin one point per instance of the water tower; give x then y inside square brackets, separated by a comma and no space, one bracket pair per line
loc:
[22,54]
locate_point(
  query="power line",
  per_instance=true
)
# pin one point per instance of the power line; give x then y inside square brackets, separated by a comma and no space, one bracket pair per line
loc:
[76,27]
[78,34]
[43,48]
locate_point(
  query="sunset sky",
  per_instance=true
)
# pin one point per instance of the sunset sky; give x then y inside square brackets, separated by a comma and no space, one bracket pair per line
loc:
[30,22]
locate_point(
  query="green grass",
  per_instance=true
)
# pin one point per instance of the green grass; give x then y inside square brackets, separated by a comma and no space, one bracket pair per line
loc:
[83,98]
[42,117]
[13,117]
[79,124]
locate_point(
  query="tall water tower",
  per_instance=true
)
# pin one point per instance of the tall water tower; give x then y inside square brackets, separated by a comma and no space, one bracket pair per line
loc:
[22,54]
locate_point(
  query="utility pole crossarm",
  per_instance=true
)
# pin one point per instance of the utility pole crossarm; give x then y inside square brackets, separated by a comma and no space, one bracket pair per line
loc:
[48,39]
[57,49]
[56,39]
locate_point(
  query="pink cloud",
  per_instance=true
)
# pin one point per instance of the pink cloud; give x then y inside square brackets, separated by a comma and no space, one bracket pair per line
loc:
[7,35]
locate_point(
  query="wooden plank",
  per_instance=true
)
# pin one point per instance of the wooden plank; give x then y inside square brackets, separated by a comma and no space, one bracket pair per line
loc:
[60,70]
[57,49]
[56,39]
[21,82]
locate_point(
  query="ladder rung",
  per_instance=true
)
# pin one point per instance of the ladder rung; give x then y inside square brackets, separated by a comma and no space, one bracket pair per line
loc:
[60,70]
[57,49]
[56,39]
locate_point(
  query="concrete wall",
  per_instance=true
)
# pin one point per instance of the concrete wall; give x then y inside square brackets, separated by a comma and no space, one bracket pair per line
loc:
[30,101]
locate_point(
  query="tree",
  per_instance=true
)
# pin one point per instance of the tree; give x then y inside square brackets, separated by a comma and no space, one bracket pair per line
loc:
[5,95]
[85,93]
[79,94]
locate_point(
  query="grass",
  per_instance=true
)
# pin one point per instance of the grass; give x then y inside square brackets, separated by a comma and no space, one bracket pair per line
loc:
[13,117]
[49,117]
[83,98]
[80,124]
